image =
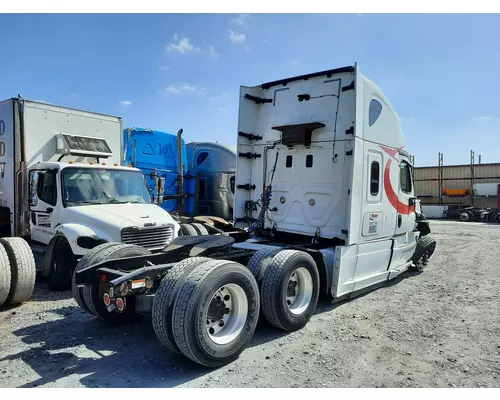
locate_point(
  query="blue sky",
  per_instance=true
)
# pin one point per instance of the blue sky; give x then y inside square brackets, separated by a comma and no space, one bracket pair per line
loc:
[171,71]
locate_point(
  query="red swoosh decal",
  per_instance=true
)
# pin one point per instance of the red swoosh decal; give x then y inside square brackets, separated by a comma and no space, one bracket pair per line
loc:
[400,207]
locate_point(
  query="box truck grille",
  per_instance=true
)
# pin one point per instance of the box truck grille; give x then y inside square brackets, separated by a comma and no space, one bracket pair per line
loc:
[150,238]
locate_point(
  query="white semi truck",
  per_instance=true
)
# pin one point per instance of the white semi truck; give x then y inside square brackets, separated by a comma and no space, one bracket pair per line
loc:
[63,189]
[325,204]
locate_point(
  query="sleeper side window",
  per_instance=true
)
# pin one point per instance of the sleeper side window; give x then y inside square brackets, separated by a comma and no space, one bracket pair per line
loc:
[374,112]
[374,178]
[405,177]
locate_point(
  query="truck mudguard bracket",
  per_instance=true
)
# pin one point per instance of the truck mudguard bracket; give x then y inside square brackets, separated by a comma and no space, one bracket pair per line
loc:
[250,155]
[250,136]
[246,186]
[258,100]
[348,87]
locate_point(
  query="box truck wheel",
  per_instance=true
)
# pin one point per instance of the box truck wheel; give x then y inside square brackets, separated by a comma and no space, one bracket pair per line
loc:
[22,270]
[290,289]
[188,230]
[4,276]
[94,256]
[93,294]
[201,230]
[425,249]
[62,265]
[163,304]
[216,313]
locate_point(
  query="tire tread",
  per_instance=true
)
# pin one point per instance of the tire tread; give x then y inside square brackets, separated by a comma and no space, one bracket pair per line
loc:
[23,270]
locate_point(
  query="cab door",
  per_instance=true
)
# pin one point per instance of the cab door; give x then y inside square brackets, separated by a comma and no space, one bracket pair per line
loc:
[405,219]
[43,204]
[404,238]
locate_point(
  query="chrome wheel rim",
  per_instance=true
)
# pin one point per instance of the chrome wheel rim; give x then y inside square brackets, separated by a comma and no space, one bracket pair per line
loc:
[226,314]
[299,291]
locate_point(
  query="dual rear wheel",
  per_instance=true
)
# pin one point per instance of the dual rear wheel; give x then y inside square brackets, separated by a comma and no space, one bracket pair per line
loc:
[208,309]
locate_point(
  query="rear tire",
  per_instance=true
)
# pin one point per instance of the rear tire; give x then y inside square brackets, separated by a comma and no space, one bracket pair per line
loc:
[92,257]
[465,216]
[22,270]
[290,290]
[216,292]
[92,293]
[188,230]
[5,279]
[165,297]
[260,261]
[201,230]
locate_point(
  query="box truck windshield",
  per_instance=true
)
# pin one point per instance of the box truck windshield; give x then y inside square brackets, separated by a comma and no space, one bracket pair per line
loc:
[84,186]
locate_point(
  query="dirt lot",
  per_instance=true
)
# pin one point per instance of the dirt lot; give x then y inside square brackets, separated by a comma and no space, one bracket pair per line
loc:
[440,328]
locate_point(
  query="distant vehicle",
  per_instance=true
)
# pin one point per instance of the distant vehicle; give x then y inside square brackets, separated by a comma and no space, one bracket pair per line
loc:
[206,170]
[216,164]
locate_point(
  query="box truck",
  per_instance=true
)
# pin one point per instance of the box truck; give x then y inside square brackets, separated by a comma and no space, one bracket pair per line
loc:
[64,190]
[325,202]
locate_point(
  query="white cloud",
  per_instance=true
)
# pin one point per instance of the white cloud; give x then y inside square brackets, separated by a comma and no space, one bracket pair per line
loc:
[181,45]
[125,103]
[237,37]
[184,88]
[172,89]
[212,53]
[164,67]
[188,88]
[241,19]
[483,118]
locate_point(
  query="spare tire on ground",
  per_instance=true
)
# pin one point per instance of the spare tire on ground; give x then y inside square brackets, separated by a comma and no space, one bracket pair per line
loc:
[22,270]
[4,276]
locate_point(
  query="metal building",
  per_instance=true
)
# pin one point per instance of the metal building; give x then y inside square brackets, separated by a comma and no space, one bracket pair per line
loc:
[473,184]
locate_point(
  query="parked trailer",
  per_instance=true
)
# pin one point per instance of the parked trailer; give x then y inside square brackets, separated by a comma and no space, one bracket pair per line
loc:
[337,215]
[216,165]
[64,191]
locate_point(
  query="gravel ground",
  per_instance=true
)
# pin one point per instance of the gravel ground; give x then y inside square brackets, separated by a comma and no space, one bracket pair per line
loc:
[439,328]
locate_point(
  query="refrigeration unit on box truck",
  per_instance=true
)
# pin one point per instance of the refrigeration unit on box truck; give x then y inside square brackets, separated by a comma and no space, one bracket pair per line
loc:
[325,190]
[64,191]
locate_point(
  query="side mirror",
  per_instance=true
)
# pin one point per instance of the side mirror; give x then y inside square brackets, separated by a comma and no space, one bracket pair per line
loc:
[412,201]
[33,188]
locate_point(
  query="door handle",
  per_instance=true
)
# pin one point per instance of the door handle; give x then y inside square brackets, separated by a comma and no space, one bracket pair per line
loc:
[400,220]
[49,210]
